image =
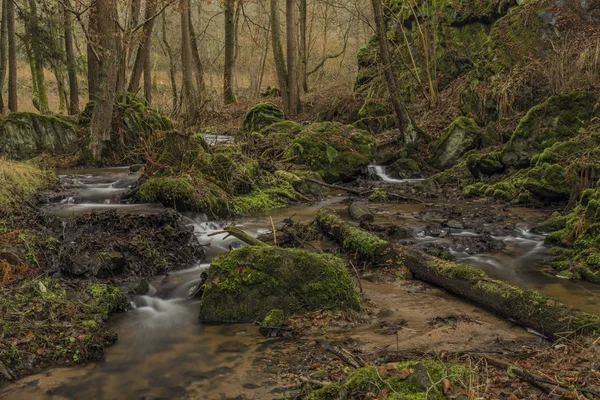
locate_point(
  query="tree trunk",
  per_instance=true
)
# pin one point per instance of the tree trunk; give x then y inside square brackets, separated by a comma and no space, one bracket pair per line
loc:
[71,64]
[148,73]
[292,59]
[107,50]
[408,131]
[366,245]
[303,47]
[144,54]
[198,67]
[93,58]
[278,54]
[3,52]
[38,61]
[12,57]
[172,74]
[135,10]
[190,102]
[228,96]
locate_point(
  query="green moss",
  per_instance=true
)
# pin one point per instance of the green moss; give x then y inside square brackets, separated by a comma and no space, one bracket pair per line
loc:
[262,115]
[247,283]
[274,318]
[106,299]
[333,150]
[486,164]
[265,199]
[378,195]
[557,119]
[290,127]
[373,107]
[405,168]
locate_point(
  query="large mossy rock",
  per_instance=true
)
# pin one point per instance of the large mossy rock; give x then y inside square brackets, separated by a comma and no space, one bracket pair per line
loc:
[244,285]
[460,137]
[557,119]
[262,115]
[26,135]
[335,151]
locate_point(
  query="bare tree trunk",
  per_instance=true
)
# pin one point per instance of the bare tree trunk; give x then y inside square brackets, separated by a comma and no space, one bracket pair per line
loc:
[3,52]
[263,63]
[303,47]
[135,10]
[172,74]
[38,62]
[228,96]
[292,58]
[278,54]
[93,58]
[189,94]
[12,57]
[198,67]
[148,72]
[71,65]
[144,53]
[408,132]
[107,49]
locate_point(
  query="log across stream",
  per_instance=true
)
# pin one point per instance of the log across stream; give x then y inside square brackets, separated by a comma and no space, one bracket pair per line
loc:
[164,352]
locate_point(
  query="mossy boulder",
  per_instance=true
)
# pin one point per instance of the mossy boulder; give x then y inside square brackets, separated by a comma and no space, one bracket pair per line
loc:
[557,119]
[460,137]
[548,182]
[290,127]
[405,168]
[25,135]
[335,151]
[244,285]
[485,164]
[262,115]
[274,319]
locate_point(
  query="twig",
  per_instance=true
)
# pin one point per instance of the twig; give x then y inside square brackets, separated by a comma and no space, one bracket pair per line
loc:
[240,234]
[349,190]
[274,231]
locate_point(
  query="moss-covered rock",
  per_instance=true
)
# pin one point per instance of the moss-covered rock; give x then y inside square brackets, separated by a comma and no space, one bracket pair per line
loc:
[485,164]
[333,150]
[274,318]
[547,182]
[405,168]
[244,285]
[557,119]
[262,115]
[460,137]
[25,135]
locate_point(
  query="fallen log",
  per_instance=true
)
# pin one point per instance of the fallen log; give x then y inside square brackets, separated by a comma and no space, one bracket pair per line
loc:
[360,211]
[366,245]
[526,307]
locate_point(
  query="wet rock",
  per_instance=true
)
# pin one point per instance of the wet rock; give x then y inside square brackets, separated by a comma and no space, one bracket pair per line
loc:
[455,224]
[232,347]
[420,377]
[141,288]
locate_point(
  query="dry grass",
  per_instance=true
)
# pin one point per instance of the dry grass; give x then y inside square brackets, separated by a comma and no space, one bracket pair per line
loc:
[20,180]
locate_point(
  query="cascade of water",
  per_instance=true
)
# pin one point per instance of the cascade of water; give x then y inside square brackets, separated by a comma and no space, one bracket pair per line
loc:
[378,172]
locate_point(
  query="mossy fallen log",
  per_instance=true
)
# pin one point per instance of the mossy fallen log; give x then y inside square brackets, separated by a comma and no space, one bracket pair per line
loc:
[367,246]
[526,307]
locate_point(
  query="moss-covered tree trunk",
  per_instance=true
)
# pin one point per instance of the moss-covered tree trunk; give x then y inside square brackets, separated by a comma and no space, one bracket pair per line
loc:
[107,50]
[280,66]
[291,19]
[228,96]
[190,99]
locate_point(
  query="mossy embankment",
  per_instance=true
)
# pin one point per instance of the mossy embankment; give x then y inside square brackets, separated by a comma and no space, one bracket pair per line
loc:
[43,321]
[265,169]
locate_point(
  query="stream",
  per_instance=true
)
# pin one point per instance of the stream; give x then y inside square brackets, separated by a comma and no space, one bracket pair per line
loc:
[164,353]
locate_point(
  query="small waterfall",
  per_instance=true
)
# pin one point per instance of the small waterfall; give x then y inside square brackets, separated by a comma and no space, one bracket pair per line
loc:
[378,173]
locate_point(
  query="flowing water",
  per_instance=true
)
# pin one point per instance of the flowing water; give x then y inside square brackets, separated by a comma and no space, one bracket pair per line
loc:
[379,173]
[163,352]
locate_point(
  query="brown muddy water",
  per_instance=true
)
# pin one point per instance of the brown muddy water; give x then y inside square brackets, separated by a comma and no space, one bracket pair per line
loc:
[164,353]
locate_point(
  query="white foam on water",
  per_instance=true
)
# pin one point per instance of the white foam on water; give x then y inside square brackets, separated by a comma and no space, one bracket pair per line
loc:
[379,171]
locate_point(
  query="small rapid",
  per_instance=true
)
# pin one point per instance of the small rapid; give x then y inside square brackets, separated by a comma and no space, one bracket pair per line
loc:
[379,173]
